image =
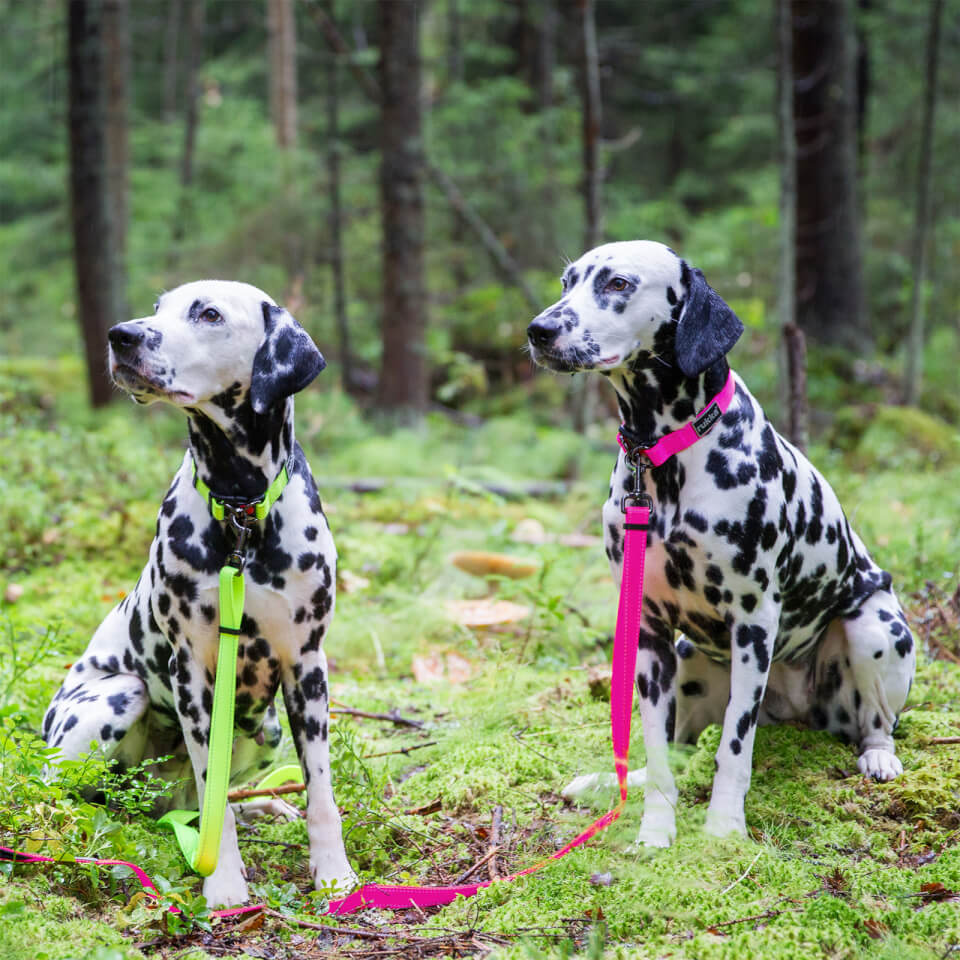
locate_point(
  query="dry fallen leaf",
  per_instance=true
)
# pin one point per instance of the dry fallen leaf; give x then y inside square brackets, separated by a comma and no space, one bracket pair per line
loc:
[937,892]
[396,529]
[529,530]
[580,540]
[875,929]
[483,564]
[13,592]
[351,582]
[458,668]
[441,668]
[486,613]
[598,680]
[253,923]
[428,669]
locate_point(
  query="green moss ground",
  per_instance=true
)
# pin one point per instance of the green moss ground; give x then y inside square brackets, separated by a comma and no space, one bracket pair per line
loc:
[835,865]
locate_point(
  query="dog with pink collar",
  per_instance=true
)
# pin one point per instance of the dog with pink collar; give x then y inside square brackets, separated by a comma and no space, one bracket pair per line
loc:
[762,605]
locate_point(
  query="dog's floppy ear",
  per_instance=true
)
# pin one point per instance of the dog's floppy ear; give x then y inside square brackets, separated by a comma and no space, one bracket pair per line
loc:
[285,362]
[707,329]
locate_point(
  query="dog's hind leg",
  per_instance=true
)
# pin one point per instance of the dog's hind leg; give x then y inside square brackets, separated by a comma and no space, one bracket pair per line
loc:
[94,706]
[101,698]
[864,672]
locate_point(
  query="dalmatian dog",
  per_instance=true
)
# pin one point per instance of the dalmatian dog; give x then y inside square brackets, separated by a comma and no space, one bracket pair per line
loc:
[761,603]
[228,356]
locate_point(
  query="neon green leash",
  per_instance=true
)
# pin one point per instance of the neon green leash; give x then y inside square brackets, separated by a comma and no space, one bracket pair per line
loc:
[202,848]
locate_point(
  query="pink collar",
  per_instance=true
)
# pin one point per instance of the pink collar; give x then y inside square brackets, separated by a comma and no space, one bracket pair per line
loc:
[688,434]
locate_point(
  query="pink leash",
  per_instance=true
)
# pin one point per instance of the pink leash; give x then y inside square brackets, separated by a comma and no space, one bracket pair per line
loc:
[622,680]
[621,706]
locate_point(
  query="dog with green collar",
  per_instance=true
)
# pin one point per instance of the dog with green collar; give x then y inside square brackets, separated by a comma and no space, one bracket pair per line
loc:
[242,570]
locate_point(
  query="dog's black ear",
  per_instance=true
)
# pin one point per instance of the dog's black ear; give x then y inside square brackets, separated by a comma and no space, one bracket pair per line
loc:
[285,362]
[707,329]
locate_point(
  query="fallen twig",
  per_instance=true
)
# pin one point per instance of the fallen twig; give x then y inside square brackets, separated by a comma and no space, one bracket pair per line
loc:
[742,875]
[556,731]
[390,753]
[495,841]
[486,858]
[271,843]
[432,807]
[758,916]
[518,736]
[235,795]
[944,740]
[343,931]
[392,717]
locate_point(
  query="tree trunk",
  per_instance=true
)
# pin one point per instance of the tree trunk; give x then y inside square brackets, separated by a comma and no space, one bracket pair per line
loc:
[787,304]
[336,220]
[797,409]
[282,44]
[455,75]
[922,217]
[403,371]
[830,304]
[863,86]
[193,56]
[454,43]
[468,216]
[171,62]
[92,243]
[590,93]
[546,54]
[498,253]
[116,21]
[546,64]
[582,396]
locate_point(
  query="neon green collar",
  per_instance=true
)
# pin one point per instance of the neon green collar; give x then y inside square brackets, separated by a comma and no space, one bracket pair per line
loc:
[254,508]
[202,848]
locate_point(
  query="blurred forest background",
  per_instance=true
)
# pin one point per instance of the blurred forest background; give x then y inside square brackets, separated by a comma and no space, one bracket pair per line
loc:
[408,177]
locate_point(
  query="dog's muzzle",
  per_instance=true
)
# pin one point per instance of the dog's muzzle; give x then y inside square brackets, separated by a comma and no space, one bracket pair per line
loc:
[126,339]
[542,332]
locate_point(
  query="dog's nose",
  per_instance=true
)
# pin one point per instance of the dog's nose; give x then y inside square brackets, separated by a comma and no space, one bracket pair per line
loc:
[125,337]
[543,331]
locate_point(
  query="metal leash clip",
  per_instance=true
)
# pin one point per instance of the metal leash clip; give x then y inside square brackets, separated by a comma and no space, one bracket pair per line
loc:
[637,495]
[241,518]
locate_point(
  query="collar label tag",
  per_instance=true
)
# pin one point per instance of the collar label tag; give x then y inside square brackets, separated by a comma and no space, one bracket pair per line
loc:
[704,423]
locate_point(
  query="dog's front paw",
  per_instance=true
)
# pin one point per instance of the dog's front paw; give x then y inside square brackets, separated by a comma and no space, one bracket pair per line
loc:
[658,828]
[882,765]
[267,807]
[223,890]
[655,834]
[594,782]
[332,877]
[721,823]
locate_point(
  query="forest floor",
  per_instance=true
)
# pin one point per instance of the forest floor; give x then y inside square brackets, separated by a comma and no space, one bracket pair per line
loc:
[835,865]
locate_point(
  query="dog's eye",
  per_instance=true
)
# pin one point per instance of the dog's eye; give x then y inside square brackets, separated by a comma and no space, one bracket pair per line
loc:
[211,315]
[563,283]
[618,284]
